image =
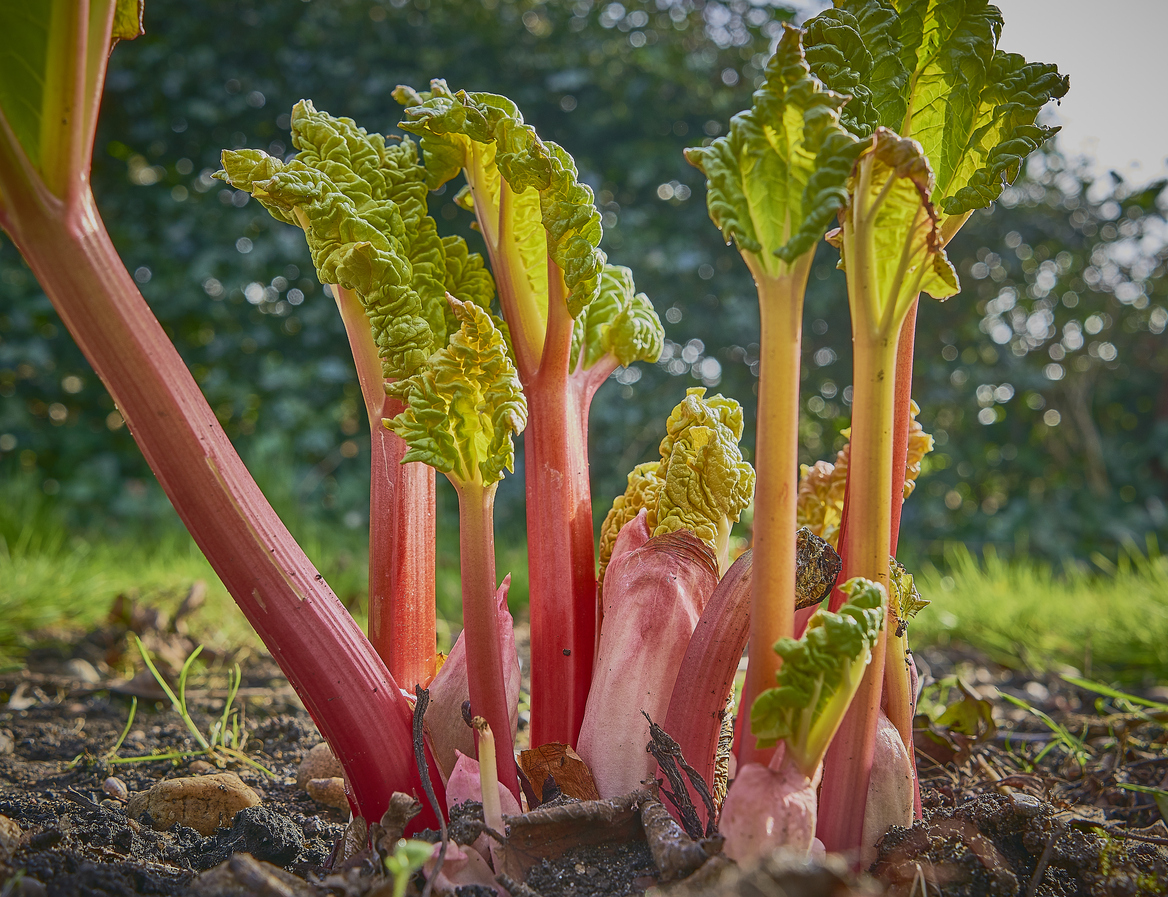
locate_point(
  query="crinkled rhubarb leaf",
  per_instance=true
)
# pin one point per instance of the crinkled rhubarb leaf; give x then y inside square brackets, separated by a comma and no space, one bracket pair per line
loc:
[820,673]
[931,70]
[506,163]
[363,207]
[777,178]
[465,405]
[701,484]
[907,257]
[620,324]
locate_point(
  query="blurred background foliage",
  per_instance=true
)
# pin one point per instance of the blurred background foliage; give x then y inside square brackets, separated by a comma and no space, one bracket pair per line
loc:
[1045,382]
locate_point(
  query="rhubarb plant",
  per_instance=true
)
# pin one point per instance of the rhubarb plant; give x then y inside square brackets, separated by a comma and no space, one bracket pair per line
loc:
[774,183]
[463,409]
[52,69]
[953,118]
[571,321]
[774,805]
[362,205]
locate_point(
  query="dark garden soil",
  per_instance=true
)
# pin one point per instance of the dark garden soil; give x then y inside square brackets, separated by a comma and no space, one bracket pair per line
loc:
[1013,804]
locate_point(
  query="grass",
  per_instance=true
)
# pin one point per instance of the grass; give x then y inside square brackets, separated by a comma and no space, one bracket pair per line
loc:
[51,576]
[1103,619]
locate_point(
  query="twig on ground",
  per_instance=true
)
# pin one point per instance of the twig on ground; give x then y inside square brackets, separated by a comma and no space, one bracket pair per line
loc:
[423,696]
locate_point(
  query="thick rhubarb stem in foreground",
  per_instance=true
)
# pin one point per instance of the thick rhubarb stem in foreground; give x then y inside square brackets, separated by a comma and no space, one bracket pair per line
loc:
[344,685]
[780,301]
[848,765]
[560,548]
[484,656]
[402,622]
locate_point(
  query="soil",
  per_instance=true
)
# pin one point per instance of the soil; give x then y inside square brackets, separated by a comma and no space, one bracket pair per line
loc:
[1012,804]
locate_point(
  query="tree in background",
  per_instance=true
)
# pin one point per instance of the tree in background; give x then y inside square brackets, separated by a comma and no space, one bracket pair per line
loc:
[1044,382]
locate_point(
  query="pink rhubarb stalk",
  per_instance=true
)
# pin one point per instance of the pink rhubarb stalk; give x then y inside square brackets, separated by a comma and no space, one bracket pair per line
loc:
[654,593]
[706,676]
[560,546]
[401,521]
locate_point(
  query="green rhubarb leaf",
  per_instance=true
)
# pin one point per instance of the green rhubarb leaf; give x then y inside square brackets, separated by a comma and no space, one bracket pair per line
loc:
[370,171]
[907,256]
[619,325]
[465,406]
[467,276]
[360,249]
[819,676]
[525,191]
[854,49]
[931,70]
[775,181]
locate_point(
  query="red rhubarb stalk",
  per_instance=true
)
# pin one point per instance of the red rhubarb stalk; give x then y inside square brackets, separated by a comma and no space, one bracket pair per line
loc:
[401,521]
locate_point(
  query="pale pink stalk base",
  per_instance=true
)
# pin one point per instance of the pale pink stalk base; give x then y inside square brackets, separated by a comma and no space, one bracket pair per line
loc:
[768,808]
[445,727]
[890,789]
[706,675]
[402,535]
[343,683]
[654,595]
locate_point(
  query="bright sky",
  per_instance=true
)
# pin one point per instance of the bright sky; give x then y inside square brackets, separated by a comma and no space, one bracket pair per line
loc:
[1116,53]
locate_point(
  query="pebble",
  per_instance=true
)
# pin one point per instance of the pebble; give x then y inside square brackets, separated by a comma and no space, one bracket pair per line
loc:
[116,788]
[200,767]
[203,803]
[81,669]
[330,792]
[10,834]
[318,763]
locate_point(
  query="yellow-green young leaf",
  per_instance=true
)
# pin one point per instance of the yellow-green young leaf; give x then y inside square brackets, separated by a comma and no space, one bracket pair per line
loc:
[701,484]
[931,70]
[907,254]
[127,23]
[370,171]
[362,250]
[905,599]
[619,324]
[513,175]
[775,181]
[465,405]
[706,484]
[820,674]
